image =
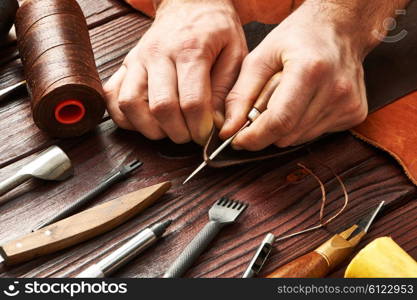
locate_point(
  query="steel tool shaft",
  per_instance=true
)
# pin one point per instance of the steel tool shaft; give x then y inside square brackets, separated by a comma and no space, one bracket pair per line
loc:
[126,252]
[7,91]
[113,178]
[259,106]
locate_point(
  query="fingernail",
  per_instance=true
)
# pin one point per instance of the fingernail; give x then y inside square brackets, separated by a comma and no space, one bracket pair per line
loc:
[219,119]
[205,129]
[237,147]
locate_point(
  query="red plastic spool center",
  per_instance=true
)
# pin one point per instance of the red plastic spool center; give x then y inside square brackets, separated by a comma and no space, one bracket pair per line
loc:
[69,111]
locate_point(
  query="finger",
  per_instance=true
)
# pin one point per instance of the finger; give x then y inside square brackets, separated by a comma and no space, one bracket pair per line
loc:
[255,73]
[132,102]
[163,99]
[223,75]
[111,94]
[193,71]
[286,108]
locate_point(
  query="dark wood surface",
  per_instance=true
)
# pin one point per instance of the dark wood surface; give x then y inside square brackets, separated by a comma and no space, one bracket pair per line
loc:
[281,198]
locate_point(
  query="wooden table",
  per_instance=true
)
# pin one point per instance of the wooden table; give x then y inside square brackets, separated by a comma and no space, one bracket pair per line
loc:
[282,199]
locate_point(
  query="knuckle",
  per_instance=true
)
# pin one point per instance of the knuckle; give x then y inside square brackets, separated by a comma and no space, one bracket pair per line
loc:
[162,105]
[283,143]
[191,50]
[108,93]
[357,111]
[287,141]
[125,103]
[191,107]
[281,125]
[155,136]
[250,143]
[342,88]
[257,64]
[121,122]
[233,97]
[190,104]
[182,139]
[153,49]
[220,91]
[316,67]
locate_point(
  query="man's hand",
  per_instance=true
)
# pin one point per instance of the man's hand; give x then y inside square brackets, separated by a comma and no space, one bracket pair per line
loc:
[173,83]
[319,49]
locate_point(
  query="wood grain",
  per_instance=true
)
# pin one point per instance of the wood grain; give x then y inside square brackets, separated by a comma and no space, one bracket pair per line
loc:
[82,226]
[282,198]
[310,265]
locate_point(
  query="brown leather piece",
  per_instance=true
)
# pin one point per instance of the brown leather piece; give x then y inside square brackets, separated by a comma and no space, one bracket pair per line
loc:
[394,129]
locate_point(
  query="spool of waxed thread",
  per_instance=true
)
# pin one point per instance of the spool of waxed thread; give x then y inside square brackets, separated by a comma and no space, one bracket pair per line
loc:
[8,10]
[58,60]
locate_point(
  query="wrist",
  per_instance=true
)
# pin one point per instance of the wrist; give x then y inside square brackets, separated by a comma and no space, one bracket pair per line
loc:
[162,5]
[265,11]
[361,22]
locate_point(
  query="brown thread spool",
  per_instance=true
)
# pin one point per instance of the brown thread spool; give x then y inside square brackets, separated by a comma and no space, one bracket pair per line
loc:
[58,60]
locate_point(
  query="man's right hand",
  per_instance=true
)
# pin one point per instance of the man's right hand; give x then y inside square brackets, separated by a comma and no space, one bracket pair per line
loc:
[174,81]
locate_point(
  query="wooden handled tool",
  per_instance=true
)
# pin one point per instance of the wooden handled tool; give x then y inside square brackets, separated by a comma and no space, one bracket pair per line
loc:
[82,226]
[260,106]
[325,258]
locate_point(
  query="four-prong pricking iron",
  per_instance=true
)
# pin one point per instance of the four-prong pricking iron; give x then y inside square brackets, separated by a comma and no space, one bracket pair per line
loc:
[223,212]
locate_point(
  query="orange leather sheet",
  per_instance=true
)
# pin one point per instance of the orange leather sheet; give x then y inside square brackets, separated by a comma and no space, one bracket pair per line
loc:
[394,129]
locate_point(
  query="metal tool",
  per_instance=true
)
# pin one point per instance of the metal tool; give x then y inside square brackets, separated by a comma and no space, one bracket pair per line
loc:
[51,164]
[259,106]
[122,173]
[329,255]
[126,252]
[82,226]
[7,91]
[261,255]
[223,212]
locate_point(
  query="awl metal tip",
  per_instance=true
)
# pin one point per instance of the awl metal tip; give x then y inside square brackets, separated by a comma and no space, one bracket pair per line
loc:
[200,167]
[130,167]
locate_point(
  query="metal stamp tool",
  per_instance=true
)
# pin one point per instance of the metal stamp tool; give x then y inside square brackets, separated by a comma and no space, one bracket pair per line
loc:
[126,252]
[260,257]
[51,164]
[223,212]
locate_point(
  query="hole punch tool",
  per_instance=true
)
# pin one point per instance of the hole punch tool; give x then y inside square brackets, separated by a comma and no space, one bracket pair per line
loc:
[223,212]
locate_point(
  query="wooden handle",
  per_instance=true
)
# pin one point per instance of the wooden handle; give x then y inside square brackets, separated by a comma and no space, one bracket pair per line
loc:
[269,88]
[81,226]
[311,265]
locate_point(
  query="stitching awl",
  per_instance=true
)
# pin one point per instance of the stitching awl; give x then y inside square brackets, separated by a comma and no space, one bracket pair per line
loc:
[259,107]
